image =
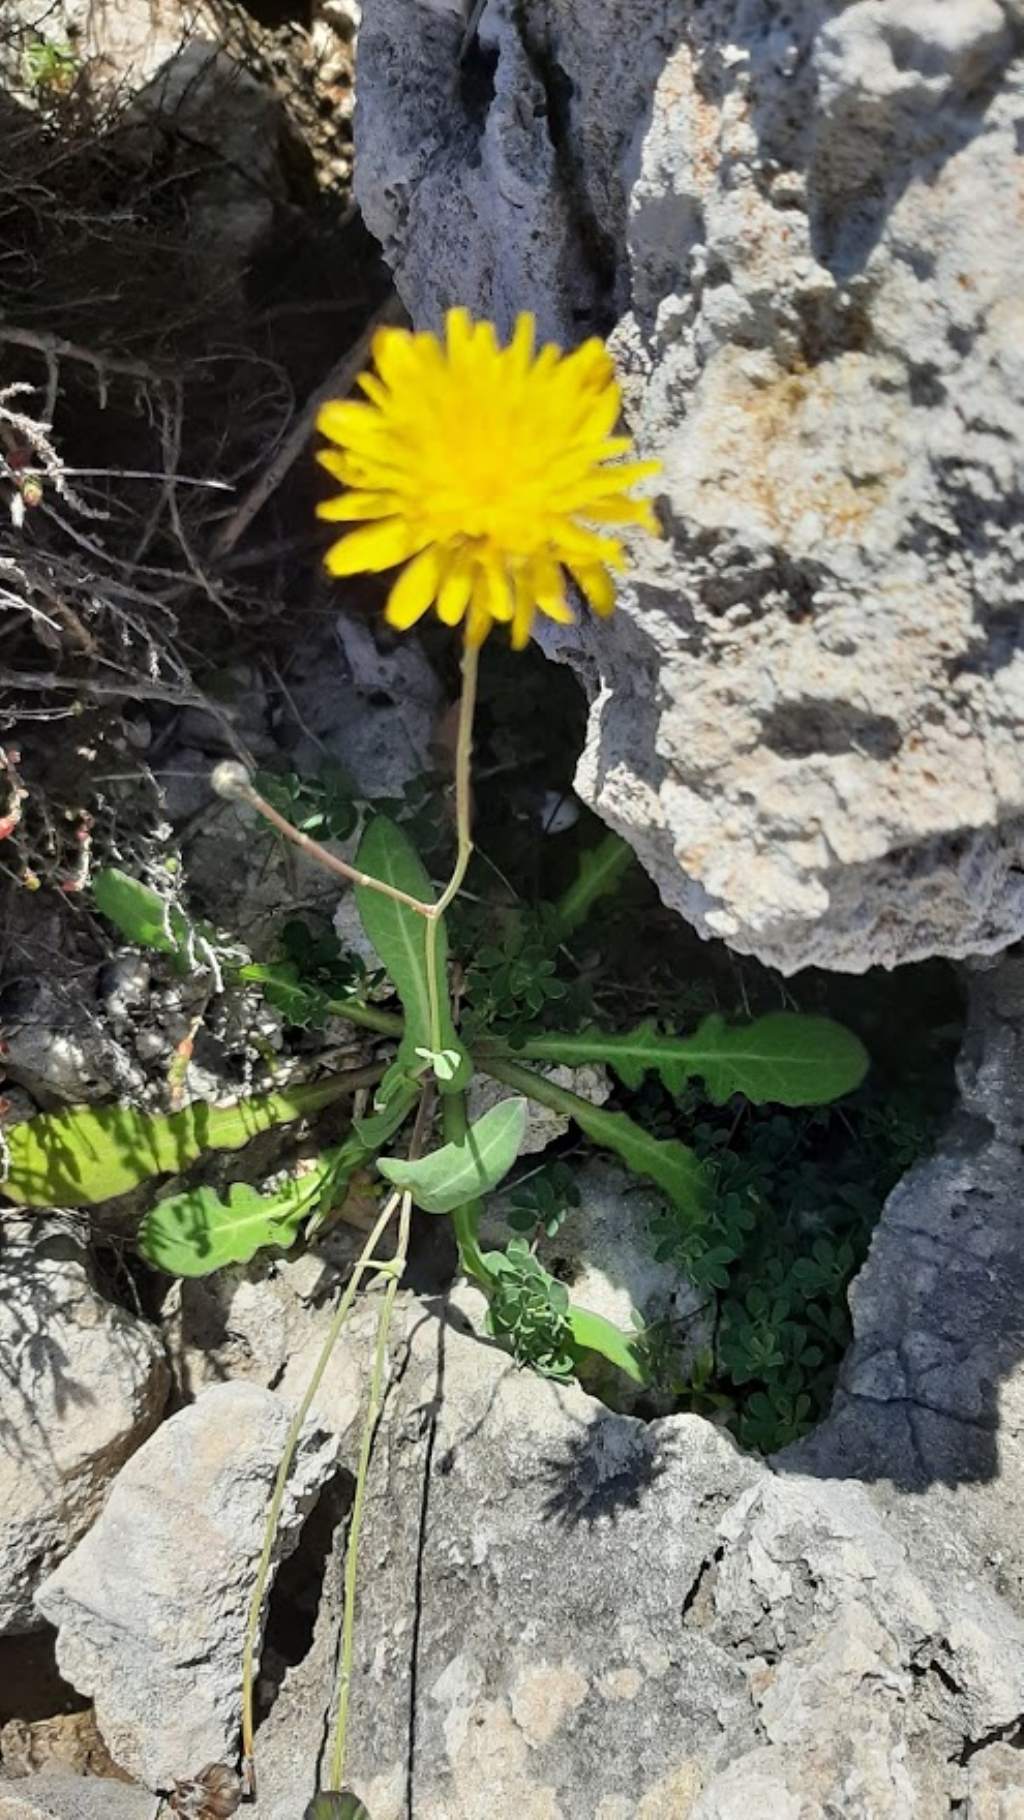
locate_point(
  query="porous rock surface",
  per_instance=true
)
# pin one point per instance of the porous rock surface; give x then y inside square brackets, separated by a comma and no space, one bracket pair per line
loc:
[151,1606]
[82,1384]
[54,1797]
[266,1323]
[801,223]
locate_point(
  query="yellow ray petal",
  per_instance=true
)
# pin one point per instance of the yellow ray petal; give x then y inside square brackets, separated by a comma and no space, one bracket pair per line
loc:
[525,608]
[589,366]
[415,589]
[394,356]
[497,588]
[358,470]
[478,624]
[456,587]
[597,586]
[374,547]
[520,349]
[353,425]
[571,541]
[349,507]
[375,389]
[459,335]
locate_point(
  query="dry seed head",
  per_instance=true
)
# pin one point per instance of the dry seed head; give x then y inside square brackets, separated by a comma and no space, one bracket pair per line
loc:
[231,781]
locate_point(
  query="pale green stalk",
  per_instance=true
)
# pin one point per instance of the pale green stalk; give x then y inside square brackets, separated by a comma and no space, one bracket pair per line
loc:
[395,1271]
[463,822]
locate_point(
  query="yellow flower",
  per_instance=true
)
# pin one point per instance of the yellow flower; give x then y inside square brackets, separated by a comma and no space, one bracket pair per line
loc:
[485,472]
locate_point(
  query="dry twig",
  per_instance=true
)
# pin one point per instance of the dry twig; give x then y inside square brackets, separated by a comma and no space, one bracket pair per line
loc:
[338,382]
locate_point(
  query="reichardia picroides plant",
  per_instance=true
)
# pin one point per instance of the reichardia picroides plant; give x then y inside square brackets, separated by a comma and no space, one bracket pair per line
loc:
[490,478]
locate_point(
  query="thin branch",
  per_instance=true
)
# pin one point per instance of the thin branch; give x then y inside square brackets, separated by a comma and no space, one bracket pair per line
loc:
[55,347]
[338,382]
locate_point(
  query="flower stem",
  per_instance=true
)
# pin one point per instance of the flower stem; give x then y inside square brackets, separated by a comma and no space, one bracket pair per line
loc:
[364,1262]
[232,782]
[395,1271]
[463,821]
[465,1219]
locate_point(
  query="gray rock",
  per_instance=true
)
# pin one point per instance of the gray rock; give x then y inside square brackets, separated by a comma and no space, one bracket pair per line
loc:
[264,1323]
[931,1394]
[59,1064]
[151,1606]
[57,1047]
[589,1616]
[848,1641]
[241,880]
[73,1798]
[203,95]
[995,1784]
[369,709]
[123,985]
[82,1384]
[802,226]
[527,1557]
[577,1628]
[291,1743]
[122,46]
[183,777]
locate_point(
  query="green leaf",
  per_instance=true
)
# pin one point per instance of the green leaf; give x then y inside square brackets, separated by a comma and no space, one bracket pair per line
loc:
[192,1234]
[460,1172]
[378,1127]
[336,1807]
[79,1157]
[399,936]
[301,1004]
[676,1169]
[593,1333]
[142,915]
[785,1057]
[600,869]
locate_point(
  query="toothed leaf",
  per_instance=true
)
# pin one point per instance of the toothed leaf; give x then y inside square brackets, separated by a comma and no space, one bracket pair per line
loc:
[785,1057]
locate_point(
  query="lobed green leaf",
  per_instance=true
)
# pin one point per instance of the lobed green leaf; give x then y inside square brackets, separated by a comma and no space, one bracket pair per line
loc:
[673,1166]
[82,1156]
[785,1057]
[197,1232]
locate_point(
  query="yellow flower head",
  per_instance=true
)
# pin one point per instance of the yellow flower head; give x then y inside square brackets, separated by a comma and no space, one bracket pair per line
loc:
[484,471]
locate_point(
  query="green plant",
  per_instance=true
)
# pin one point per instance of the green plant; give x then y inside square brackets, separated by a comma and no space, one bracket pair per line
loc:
[529,1310]
[511,982]
[540,1202]
[324,807]
[339,1806]
[50,67]
[84,1156]
[504,565]
[144,917]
